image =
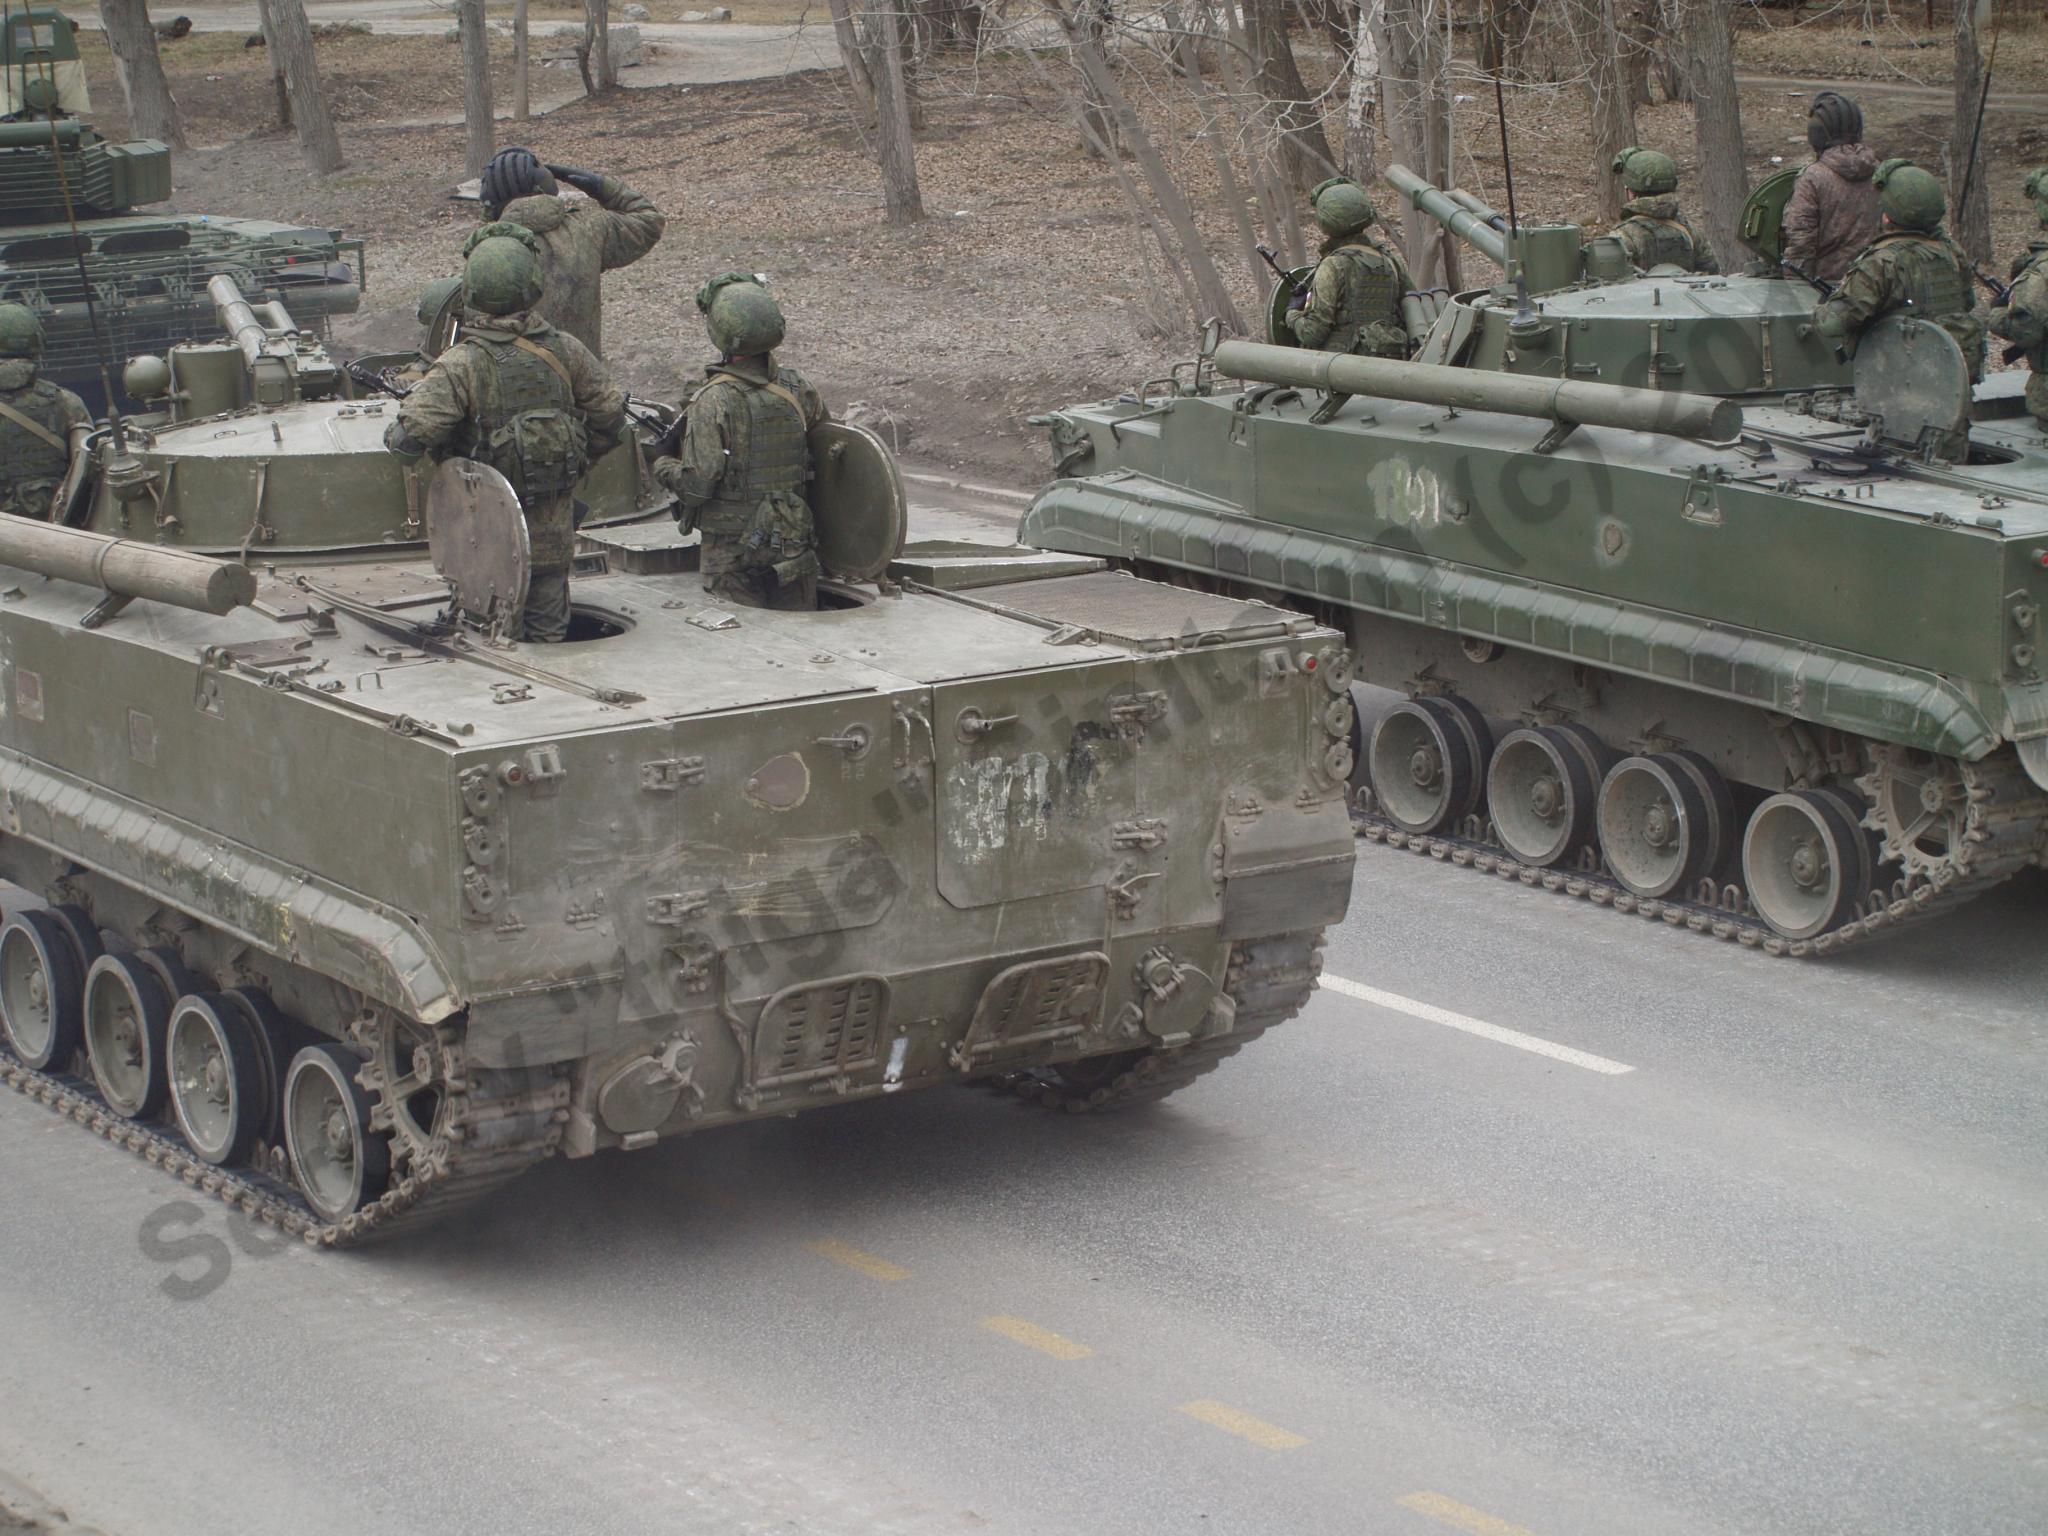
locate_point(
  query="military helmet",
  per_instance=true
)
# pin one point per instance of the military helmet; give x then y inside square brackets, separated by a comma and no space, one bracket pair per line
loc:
[1911,198]
[434,296]
[2037,191]
[514,172]
[1646,171]
[1833,119]
[1342,208]
[21,333]
[502,275]
[1325,184]
[742,316]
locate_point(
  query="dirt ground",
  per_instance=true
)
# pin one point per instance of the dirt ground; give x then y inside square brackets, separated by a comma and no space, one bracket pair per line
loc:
[1025,285]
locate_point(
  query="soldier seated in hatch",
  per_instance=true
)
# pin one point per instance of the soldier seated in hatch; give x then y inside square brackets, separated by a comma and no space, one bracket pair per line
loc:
[745,458]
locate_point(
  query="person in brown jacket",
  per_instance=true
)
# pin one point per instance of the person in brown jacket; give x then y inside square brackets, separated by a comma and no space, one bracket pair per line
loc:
[1833,212]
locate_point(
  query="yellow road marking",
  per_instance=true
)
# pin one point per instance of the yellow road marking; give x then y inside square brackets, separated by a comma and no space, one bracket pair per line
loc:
[1463,1516]
[1270,1436]
[1031,1336]
[853,1258]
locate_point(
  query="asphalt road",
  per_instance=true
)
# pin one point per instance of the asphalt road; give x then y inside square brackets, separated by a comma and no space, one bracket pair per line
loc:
[1540,1219]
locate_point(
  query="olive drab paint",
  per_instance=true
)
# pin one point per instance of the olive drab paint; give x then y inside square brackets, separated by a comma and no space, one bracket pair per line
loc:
[1692,617]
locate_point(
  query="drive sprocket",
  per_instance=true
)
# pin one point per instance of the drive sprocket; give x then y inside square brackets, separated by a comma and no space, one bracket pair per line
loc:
[1948,823]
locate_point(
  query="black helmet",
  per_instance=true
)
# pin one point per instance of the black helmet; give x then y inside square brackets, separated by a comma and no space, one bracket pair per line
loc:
[514,173]
[1833,119]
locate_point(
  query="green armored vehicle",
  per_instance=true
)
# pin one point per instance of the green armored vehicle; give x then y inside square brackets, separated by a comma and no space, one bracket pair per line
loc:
[145,274]
[1685,611]
[343,906]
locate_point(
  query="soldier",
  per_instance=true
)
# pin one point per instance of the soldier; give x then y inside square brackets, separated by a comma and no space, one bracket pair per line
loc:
[1353,303]
[524,398]
[579,242]
[1832,214]
[36,418]
[1912,264]
[1652,230]
[745,457]
[2023,318]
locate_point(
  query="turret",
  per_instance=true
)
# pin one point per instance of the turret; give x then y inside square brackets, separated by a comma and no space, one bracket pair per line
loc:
[43,107]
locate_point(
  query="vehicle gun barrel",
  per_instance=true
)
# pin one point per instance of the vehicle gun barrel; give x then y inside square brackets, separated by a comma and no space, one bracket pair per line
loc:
[1468,226]
[126,567]
[238,318]
[1565,401]
[1486,211]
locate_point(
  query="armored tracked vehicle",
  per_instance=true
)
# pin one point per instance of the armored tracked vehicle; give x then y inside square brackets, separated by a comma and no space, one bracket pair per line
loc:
[1685,612]
[146,274]
[335,902]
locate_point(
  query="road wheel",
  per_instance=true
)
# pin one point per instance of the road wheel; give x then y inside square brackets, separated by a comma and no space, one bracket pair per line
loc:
[1428,762]
[1541,789]
[42,989]
[338,1162]
[219,1092]
[1805,862]
[127,1024]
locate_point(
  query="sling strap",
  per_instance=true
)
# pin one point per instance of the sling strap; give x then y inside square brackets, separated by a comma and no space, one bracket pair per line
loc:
[52,438]
[527,344]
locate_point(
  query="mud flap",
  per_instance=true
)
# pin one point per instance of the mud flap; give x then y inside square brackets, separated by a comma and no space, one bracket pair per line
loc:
[1286,868]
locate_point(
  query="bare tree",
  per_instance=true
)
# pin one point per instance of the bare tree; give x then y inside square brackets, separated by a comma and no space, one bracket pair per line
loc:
[284,24]
[896,149]
[1415,65]
[850,55]
[1597,40]
[1278,79]
[522,105]
[1503,28]
[1970,207]
[594,53]
[478,116]
[1362,99]
[1708,32]
[152,110]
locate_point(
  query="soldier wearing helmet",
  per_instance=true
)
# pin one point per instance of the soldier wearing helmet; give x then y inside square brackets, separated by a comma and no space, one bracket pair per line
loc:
[1652,230]
[2023,318]
[1911,265]
[526,399]
[1832,214]
[577,242]
[745,460]
[1353,302]
[36,420]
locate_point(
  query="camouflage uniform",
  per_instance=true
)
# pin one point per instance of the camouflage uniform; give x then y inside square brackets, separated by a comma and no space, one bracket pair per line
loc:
[1902,269]
[744,463]
[32,466]
[1354,302]
[579,243]
[2023,320]
[1655,234]
[505,368]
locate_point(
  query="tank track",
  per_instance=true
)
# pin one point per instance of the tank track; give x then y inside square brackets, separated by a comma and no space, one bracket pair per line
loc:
[483,1142]
[1268,979]
[1727,916]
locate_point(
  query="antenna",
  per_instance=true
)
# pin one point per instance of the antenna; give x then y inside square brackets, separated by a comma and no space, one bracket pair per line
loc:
[1500,111]
[46,71]
[1983,96]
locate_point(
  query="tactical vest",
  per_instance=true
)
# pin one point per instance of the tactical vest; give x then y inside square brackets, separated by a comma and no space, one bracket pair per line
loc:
[524,423]
[778,456]
[30,468]
[1373,281]
[1931,278]
[1655,240]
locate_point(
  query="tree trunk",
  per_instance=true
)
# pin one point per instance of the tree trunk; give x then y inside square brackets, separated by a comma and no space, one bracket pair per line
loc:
[276,57]
[522,105]
[1213,297]
[1098,122]
[857,77]
[1415,67]
[594,53]
[478,118]
[1597,40]
[152,110]
[1969,206]
[1279,80]
[1709,53]
[1503,29]
[897,150]
[1362,100]
[286,22]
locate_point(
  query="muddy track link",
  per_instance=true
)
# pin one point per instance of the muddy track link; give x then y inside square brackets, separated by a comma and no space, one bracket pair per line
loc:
[1269,979]
[1728,916]
[485,1143]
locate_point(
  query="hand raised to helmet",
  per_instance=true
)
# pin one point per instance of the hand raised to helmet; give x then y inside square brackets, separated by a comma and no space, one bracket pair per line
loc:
[591,182]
